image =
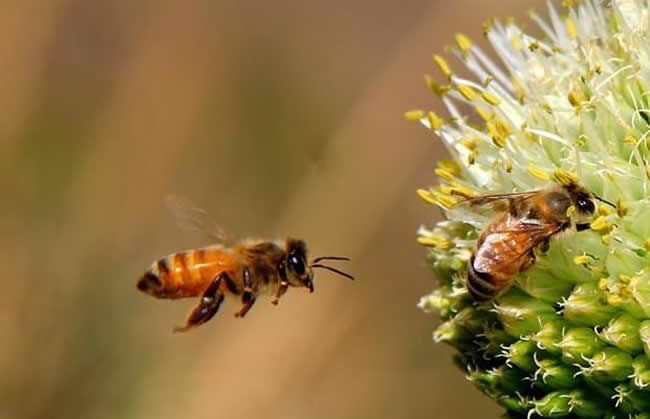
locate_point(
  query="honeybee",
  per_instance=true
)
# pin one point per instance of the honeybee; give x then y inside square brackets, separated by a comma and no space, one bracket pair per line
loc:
[247,270]
[531,219]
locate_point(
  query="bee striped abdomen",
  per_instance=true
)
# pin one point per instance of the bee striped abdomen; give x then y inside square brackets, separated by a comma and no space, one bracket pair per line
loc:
[185,274]
[480,284]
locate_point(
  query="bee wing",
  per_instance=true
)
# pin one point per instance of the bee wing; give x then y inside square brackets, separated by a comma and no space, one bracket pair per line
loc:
[506,247]
[488,199]
[194,219]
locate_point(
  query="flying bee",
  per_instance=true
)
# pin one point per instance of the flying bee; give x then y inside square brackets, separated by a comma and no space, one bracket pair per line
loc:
[529,222]
[246,270]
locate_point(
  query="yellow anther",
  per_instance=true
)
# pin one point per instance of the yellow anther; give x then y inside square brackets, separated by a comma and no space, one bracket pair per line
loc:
[437,242]
[471,157]
[570,3]
[487,26]
[606,239]
[446,174]
[570,211]
[486,82]
[467,92]
[469,143]
[630,140]
[600,224]
[450,165]
[625,279]
[461,190]
[498,139]
[538,173]
[413,115]
[547,108]
[565,177]
[435,121]
[570,28]
[581,260]
[463,42]
[576,97]
[603,284]
[490,98]
[614,300]
[621,209]
[436,88]
[426,195]
[507,165]
[580,141]
[533,46]
[485,114]
[605,210]
[442,66]
[445,200]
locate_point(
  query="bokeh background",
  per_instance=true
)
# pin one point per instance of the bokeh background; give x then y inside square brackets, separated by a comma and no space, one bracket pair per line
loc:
[279,118]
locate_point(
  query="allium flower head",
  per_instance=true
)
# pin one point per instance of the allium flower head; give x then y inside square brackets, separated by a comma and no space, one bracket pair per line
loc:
[571,337]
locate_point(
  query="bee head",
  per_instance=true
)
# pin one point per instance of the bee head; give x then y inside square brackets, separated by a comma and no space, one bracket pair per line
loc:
[584,203]
[299,273]
[582,199]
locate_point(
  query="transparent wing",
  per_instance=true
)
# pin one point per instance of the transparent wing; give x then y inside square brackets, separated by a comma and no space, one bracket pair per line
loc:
[488,199]
[193,219]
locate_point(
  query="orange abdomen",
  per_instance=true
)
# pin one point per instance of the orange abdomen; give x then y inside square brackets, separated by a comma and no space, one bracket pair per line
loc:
[186,274]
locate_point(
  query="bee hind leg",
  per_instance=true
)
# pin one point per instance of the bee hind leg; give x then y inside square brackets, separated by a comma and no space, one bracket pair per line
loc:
[208,305]
[247,297]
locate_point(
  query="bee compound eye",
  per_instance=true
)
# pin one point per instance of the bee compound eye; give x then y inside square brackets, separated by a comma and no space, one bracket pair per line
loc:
[296,264]
[586,205]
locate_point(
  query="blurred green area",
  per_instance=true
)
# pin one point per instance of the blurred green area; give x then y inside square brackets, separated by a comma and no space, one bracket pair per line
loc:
[280,118]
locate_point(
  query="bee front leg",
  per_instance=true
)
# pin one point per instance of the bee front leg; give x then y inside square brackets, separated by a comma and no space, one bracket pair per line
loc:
[284,284]
[208,304]
[247,297]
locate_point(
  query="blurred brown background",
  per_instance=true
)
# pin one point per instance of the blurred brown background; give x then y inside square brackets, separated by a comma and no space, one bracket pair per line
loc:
[278,118]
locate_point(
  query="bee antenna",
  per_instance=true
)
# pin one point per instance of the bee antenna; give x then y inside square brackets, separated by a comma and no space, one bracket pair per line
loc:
[604,201]
[318,259]
[329,268]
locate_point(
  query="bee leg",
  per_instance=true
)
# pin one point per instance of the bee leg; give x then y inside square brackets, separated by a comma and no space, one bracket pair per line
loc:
[284,284]
[247,297]
[208,304]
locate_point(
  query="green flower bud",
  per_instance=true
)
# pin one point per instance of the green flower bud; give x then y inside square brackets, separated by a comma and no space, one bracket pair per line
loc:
[502,380]
[492,341]
[587,305]
[641,375]
[461,329]
[578,344]
[522,315]
[609,366]
[631,400]
[550,336]
[554,374]
[515,404]
[623,332]
[554,405]
[585,404]
[521,354]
